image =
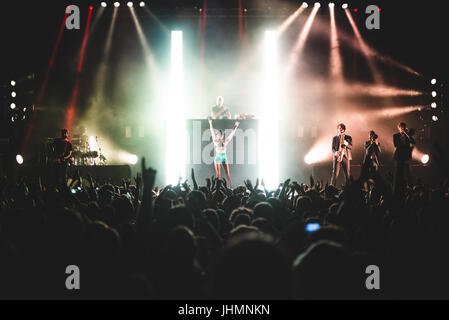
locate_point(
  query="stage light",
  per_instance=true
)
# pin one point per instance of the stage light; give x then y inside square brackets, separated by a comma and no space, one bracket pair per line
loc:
[319,152]
[19,159]
[433,81]
[13,106]
[345,6]
[434,94]
[425,159]
[129,4]
[305,5]
[433,105]
[142,4]
[104,4]
[268,113]
[13,94]
[308,159]
[175,138]
[434,118]
[133,159]
[331,5]
[116,4]
[13,83]
[317,4]
[91,7]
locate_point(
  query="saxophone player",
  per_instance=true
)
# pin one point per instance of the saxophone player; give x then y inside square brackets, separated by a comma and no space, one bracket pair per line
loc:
[341,149]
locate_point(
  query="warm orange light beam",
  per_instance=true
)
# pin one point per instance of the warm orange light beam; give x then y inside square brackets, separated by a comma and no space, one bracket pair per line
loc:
[376,90]
[336,66]
[284,26]
[83,46]
[43,87]
[301,41]
[365,49]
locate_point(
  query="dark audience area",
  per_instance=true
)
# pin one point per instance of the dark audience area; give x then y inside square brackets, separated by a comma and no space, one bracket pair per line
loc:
[203,240]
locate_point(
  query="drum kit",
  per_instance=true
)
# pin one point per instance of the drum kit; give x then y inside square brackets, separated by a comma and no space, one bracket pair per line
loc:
[86,151]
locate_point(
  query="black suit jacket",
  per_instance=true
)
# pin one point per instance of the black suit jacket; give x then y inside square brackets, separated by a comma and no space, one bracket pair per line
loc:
[372,151]
[403,147]
[336,145]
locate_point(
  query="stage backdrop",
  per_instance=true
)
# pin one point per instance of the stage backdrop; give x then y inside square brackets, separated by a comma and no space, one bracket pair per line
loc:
[241,151]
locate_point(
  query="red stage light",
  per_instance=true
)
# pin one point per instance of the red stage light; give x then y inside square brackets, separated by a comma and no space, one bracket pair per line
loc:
[90,7]
[356,10]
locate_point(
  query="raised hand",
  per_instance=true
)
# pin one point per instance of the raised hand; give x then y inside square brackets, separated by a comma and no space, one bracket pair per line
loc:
[248,185]
[195,185]
[148,177]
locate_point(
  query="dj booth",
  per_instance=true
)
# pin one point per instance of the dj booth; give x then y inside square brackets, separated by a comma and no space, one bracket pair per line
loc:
[242,153]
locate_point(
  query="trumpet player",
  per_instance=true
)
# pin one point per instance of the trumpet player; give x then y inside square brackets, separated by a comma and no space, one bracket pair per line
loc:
[341,149]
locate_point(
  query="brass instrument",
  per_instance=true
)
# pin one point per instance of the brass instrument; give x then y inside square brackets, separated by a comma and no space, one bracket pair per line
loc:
[341,150]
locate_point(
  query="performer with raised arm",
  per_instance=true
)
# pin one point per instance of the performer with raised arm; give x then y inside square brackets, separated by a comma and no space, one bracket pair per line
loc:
[220,144]
[341,148]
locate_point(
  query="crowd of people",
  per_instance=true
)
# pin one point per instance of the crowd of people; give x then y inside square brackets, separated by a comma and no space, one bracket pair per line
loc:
[204,240]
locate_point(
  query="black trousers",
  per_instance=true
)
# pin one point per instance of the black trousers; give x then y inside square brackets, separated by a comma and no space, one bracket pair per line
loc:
[402,176]
[345,164]
[369,168]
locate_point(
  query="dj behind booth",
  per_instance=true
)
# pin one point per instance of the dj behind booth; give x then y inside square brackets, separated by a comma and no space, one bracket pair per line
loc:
[241,151]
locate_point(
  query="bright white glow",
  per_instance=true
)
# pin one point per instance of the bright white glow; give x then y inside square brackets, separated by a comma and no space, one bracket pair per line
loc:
[305,5]
[319,152]
[13,94]
[129,4]
[345,6]
[142,4]
[13,106]
[317,4]
[13,83]
[433,82]
[434,118]
[126,157]
[104,4]
[175,130]
[116,4]
[425,159]
[19,159]
[268,123]
[331,5]
[434,94]
[433,105]
[133,159]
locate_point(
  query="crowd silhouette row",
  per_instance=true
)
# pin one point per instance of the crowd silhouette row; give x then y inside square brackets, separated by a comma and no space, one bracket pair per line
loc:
[203,240]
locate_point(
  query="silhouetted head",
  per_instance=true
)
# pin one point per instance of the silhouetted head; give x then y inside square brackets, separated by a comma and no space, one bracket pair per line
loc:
[402,126]
[64,133]
[252,267]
